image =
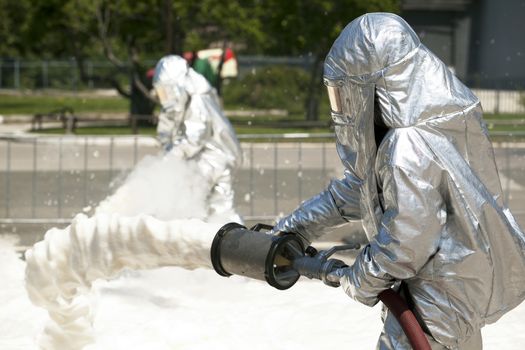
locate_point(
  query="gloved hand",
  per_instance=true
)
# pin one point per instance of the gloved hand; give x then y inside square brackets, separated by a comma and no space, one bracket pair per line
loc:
[164,138]
[335,276]
[177,152]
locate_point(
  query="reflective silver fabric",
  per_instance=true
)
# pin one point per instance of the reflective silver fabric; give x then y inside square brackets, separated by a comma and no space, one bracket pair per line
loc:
[191,122]
[429,195]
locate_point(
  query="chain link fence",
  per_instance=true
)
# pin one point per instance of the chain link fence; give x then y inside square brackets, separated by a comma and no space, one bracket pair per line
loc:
[64,74]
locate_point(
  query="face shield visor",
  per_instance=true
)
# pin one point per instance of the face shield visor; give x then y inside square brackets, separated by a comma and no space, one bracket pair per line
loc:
[334,95]
[352,111]
[172,97]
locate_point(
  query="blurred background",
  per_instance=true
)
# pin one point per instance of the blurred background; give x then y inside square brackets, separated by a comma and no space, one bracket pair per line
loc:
[75,92]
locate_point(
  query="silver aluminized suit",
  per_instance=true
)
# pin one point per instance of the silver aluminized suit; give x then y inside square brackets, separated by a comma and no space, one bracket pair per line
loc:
[192,124]
[428,195]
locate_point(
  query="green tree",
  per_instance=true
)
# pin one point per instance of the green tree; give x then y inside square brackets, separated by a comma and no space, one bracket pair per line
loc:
[127,32]
[310,28]
[13,27]
[85,29]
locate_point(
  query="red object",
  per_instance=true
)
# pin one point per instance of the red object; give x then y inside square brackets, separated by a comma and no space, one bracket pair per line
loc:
[188,56]
[406,319]
[229,54]
[150,73]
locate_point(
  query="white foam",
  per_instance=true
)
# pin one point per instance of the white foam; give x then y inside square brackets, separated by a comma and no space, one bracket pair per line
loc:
[20,321]
[164,186]
[172,308]
[126,232]
[61,268]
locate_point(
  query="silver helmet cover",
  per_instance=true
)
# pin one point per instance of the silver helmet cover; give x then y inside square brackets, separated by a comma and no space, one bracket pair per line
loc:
[169,82]
[435,217]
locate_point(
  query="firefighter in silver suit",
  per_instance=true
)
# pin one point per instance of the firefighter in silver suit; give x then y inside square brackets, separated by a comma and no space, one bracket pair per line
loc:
[192,124]
[420,175]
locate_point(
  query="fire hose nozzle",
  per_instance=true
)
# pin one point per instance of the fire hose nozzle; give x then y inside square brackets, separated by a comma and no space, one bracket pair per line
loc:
[278,259]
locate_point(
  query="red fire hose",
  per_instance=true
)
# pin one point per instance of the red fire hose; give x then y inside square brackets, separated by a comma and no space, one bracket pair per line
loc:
[406,319]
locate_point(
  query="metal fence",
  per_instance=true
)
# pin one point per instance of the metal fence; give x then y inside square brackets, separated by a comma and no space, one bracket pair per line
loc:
[500,101]
[63,74]
[47,180]
[50,179]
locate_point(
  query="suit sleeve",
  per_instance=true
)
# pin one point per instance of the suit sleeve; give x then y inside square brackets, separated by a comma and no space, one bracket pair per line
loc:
[334,206]
[165,128]
[197,128]
[409,235]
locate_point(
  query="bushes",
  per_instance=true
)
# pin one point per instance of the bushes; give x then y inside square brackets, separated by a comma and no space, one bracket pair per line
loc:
[280,87]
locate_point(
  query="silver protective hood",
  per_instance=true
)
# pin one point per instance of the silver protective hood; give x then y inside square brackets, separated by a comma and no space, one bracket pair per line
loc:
[428,193]
[191,118]
[169,82]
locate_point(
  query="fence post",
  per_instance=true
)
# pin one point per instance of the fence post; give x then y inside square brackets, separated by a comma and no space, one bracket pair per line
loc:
[70,123]
[59,179]
[85,170]
[135,150]
[90,74]
[324,163]
[16,73]
[111,151]
[300,172]
[8,179]
[509,172]
[275,177]
[72,80]
[252,190]
[33,178]
[45,77]
[497,101]
[134,126]
[1,74]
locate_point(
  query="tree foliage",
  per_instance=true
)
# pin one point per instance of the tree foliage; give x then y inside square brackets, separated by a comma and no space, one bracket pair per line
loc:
[13,27]
[310,27]
[127,32]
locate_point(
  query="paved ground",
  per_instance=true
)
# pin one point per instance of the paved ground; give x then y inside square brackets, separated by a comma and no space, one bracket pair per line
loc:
[14,128]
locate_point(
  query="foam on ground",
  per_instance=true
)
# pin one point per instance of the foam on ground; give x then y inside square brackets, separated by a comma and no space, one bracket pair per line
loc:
[61,268]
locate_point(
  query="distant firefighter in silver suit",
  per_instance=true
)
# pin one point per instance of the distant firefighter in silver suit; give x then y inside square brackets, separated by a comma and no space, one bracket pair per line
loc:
[420,174]
[192,124]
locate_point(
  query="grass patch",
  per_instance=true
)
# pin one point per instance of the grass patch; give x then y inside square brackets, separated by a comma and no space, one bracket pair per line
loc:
[503,116]
[32,104]
[126,130]
[294,122]
[256,125]
[100,130]
[262,130]
[506,128]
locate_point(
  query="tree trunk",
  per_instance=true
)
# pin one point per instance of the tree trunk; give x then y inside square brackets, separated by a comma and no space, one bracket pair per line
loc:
[168,19]
[141,106]
[314,89]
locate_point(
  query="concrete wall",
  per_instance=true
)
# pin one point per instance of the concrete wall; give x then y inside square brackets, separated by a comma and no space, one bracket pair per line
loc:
[482,41]
[497,46]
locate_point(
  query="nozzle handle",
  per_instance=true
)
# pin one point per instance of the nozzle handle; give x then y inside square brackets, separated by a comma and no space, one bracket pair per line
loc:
[325,254]
[259,226]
